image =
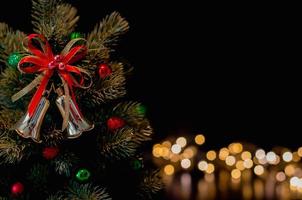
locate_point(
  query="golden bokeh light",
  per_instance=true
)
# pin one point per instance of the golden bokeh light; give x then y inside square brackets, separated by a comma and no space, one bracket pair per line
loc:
[296,157]
[202,165]
[211,155]
[181,141]
[236,173]
[185,163]
[223,153]
[287,156]
[157,151]
[188,152]
[300,151]
[176,148]
[210,169]
[230,160]
[240,165]
[167,144]
[258,170]
[280,176]
[200,139]
[248,163]
[174,158]
[289,170]
[246,155]
[169,170]
[235,148]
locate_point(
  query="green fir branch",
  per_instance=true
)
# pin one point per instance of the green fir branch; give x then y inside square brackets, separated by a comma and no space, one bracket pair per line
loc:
[11,151]
[150,185]
[64,162]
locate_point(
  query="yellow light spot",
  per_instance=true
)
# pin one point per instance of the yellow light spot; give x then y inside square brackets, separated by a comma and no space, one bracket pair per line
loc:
[300,151]
[260,154]
[223,153]
[230,160]
[271,157]
[211,155]
[181,141]
[236,173]
[280,176]
[296,157]
[235,148]
[259,170]
[210,168]
[167,144]
[246,155]
[169,170]
[157,152]
[202,165]
[240,165]
[289,170]
[165,152]
[200,139]
[176,148]
[287,156]
[188,153]
[185,163]
[248,163]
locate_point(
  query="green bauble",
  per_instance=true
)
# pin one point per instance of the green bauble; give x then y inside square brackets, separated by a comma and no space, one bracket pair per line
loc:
[13,59]
[83,174]
[141,110]
[75,35]
[137,164]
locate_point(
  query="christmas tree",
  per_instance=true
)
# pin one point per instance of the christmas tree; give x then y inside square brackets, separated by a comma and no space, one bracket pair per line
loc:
[65,131]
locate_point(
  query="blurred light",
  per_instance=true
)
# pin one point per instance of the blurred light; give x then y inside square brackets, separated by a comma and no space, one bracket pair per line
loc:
[276,162]
[260,154]
[300,151]
[294,181]
[280,176]
[181,141]
[174,158]
[239,165]
[289,170]
[296,157]
[157,151]
[209,177]
[188,153]
[176,148]
[246,155]
[271,157]
[211,155]
[185,163]
[248,163]
[230,160]
[202,165]
[235,148]
[167,144]
[169,170]
[287,156]
[199,139]
[262,161]
[165,152]
[223,153]
[210,168]
[259,170]
[236,173]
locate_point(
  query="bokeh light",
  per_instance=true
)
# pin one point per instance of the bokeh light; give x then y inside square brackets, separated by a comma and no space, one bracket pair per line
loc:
[169,170]
[211,155]
[236,173]
[200,139]
[181,141]
[230,160]
[210,169]
[223,153]
[176,148]
[185,163]
[202,165]
[258,170]
[287,156]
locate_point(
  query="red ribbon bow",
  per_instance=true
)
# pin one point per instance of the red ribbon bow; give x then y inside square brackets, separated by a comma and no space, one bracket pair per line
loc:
[45,62]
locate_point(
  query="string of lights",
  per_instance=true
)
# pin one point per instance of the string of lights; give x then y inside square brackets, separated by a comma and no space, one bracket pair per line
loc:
[239,168]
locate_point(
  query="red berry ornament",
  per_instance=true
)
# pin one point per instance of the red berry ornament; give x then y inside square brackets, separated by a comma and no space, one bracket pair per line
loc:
[114,123]
[50,152]
[17,189]
[104,70]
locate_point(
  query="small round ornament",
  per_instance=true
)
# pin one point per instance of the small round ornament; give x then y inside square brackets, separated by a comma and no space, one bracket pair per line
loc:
[50,152]
[141,110]
[13,59]
[83,174]
[17,188]
[114,123]
[104,70]
[137,164]
[75,35]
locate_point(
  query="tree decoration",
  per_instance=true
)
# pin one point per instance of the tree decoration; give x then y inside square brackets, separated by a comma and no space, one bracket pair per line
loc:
[17,189]
[14,59]
[75,35]
[83,174]
[104,70]
[141,109]
[114,123]
[50,152]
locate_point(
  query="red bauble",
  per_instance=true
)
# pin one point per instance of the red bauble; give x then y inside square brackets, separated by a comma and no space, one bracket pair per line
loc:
[114,123]
[17,188]
[104,70]
[50,152]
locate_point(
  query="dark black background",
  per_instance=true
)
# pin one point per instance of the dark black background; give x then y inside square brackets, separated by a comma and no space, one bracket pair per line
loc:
[230,71]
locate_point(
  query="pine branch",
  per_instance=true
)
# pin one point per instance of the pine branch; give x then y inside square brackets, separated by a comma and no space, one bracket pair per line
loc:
[118,145]
[8,118]
[56,197]
[38,176]
[106,33]
[150,185]
[10,151]
[53,19]
[87,191]
[64,162]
